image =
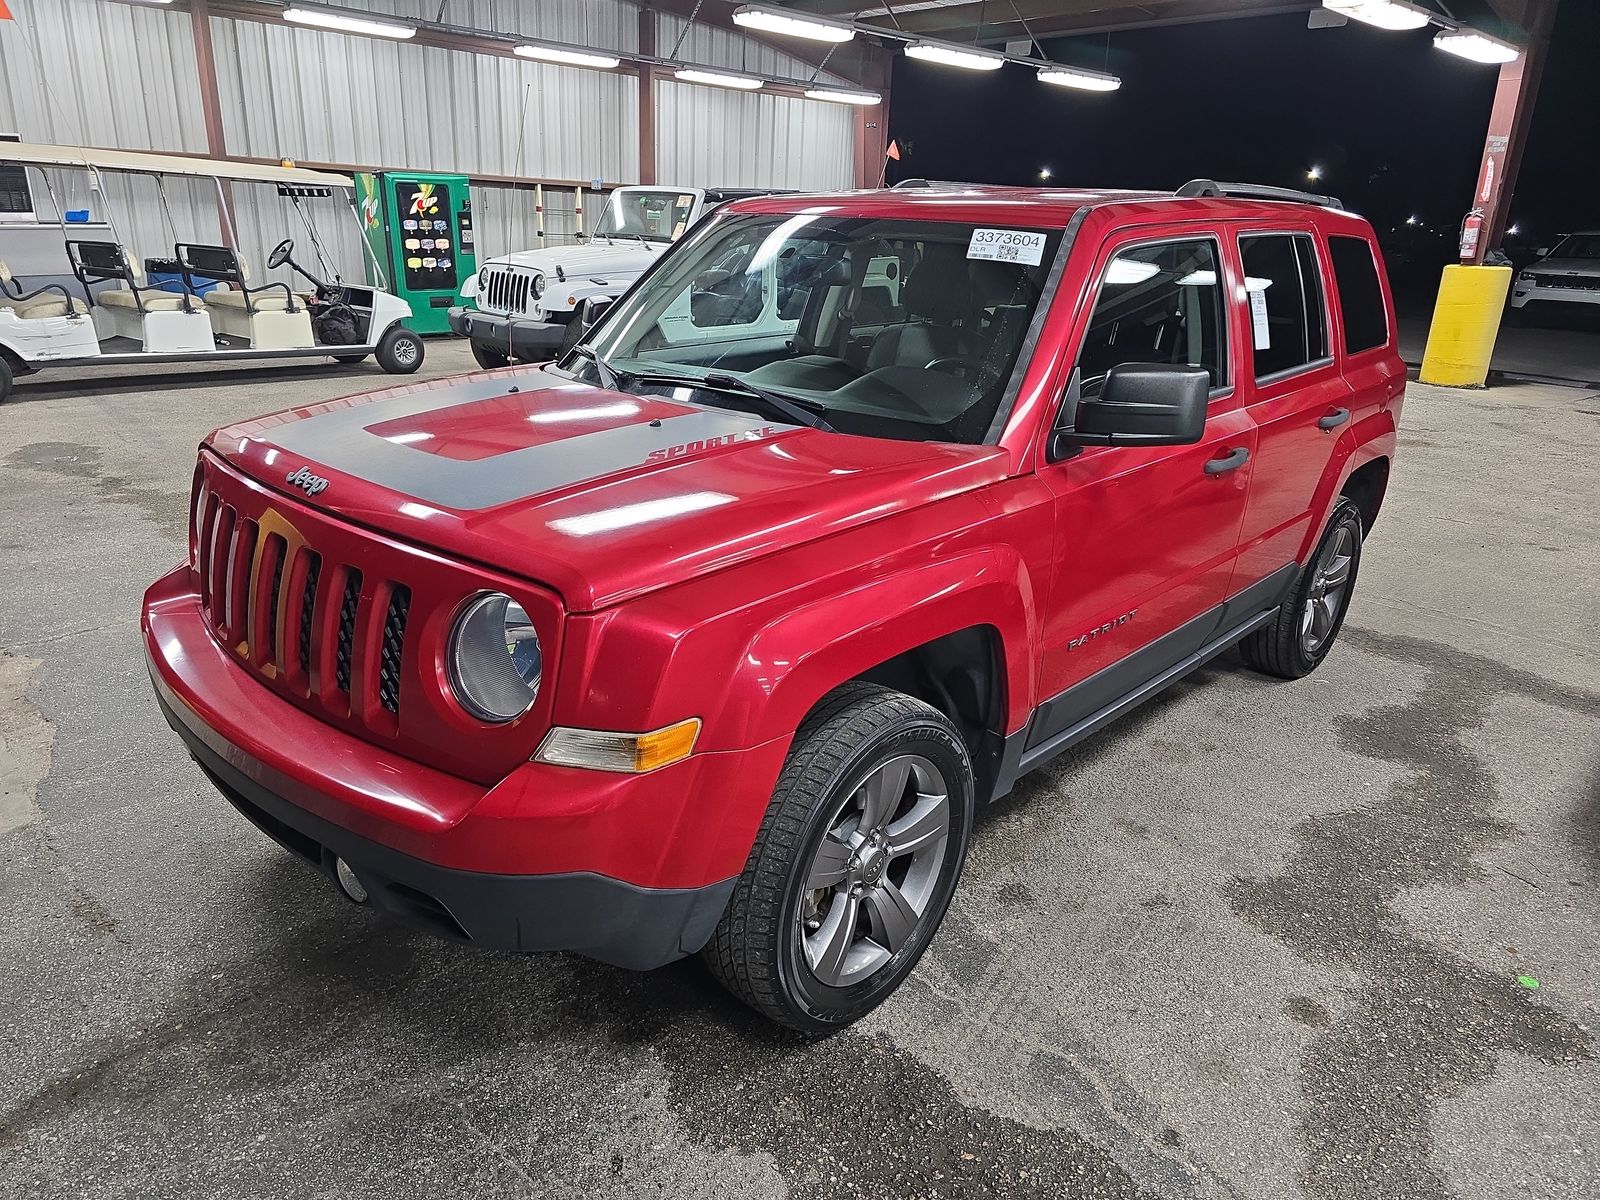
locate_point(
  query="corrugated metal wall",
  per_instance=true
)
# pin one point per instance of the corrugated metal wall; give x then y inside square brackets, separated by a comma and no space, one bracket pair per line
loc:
[708,136]
[118,75]
[334,98]
[125,76]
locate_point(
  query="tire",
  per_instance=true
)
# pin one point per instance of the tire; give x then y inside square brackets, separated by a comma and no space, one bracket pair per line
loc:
[488,357]
[848,751]
[1286,647]
[400,352]
[6,379]
[350,360]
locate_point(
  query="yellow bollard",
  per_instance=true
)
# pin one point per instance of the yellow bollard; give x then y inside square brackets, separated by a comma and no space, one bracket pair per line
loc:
[1466,320]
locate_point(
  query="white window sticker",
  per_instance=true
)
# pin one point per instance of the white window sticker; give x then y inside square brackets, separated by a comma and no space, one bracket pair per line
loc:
[1007,245]
[1258,320]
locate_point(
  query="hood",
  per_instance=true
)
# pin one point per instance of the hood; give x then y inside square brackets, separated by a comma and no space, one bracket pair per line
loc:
[1566,266]
[602,260]
[600,495]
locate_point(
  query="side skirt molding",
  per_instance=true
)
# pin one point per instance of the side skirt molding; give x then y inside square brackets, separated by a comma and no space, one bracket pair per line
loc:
[1024,750]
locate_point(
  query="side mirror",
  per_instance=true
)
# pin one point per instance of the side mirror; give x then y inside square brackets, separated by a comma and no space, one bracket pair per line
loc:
[1140,404]
[1543,251]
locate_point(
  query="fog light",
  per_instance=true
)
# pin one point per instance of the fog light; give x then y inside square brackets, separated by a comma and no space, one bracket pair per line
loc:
[348,881]
[633,753]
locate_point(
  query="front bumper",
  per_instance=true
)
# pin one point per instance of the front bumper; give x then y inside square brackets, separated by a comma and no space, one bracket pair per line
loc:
[629,870]
[1523,294]
[518,337]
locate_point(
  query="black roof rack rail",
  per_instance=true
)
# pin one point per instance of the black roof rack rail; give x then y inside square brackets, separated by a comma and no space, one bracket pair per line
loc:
[1254,191]
[933,183]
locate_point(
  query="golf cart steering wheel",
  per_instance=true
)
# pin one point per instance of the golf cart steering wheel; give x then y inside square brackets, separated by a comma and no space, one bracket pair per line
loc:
[280,253]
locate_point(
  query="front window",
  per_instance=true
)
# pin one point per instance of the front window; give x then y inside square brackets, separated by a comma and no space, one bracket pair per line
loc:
[656,216]
[906,329]
[1578,245]
[1158,303]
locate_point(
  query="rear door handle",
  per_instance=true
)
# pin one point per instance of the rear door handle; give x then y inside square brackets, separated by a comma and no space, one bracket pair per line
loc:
[1334,419]
[1232,461]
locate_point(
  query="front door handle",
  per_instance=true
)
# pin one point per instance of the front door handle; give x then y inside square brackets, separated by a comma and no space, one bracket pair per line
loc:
[1231,461]
[1334,419]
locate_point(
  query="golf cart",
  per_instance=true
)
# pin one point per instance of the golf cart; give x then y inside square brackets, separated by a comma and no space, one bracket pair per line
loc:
[90,302]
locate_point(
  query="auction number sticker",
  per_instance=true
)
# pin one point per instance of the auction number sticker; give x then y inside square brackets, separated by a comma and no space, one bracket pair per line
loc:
[1007,245]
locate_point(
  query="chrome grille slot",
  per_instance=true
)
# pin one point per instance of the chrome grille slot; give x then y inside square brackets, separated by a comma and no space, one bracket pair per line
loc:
[394,638]
[308,605]
[344,649]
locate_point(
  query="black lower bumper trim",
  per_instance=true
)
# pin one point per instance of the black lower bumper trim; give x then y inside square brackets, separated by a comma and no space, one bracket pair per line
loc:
[516,337]
[600,918]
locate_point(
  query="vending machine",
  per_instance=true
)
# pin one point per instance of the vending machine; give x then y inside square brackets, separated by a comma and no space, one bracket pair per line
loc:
[419,227]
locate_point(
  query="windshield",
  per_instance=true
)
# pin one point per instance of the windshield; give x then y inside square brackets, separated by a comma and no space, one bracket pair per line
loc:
[1578,245]
[886,327]
[655,216]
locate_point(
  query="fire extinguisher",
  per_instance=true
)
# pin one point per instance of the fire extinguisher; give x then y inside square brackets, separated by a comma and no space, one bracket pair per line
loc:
[1471,231]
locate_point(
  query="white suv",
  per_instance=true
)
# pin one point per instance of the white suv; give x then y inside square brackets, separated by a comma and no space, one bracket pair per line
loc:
[519,306]
[1569,273]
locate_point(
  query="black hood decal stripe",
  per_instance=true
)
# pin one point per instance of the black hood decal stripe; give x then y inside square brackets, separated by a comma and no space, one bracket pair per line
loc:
[341,439]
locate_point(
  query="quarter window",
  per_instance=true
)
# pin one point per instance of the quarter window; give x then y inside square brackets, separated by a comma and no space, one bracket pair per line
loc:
[1355,275]
[1284,287]
[1159,303]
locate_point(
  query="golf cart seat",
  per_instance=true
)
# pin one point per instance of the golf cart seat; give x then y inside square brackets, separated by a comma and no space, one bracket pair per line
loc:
[52,300]
[228,298]
[269,317]
[161,322]
[152,301]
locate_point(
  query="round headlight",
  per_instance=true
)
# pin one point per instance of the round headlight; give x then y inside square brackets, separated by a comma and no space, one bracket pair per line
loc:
[495,661]
[483,280]
[538,286]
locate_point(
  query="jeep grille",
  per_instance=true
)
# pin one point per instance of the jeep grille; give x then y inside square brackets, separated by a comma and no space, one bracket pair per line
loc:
[505,291]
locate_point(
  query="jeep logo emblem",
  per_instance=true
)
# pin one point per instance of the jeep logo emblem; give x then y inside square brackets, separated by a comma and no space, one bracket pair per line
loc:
[313,485]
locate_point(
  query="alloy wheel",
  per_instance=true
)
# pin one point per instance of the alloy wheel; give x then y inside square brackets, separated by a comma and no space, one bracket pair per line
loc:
[1329,587]
[875,872]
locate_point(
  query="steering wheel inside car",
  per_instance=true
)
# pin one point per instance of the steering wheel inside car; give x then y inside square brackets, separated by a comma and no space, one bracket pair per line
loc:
[280,253]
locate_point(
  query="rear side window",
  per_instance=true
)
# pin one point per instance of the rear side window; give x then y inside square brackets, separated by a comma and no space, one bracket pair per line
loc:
[1355,275]
[1159,303]
[1284,286]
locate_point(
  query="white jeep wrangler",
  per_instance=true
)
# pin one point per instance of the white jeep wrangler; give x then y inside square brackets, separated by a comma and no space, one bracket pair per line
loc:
[521,306]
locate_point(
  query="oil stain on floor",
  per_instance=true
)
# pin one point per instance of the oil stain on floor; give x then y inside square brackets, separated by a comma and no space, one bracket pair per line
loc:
[1426,1024]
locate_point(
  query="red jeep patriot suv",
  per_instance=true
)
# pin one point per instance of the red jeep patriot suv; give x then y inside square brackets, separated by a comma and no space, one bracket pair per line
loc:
[711,636]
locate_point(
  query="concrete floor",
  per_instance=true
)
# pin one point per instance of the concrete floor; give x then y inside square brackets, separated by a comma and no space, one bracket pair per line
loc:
[1257,940]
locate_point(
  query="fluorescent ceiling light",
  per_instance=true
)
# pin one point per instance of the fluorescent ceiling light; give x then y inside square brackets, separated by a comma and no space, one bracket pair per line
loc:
[1125,271]
[1385,14]
[1479,47]
[771,21]
[718,79]
[1088,81]
[347,21]
[842,97]
[573,58]
[955,56]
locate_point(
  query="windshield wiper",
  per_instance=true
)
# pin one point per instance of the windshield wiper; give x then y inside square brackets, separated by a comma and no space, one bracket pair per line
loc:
[609,375]
[720,382]
[775,400]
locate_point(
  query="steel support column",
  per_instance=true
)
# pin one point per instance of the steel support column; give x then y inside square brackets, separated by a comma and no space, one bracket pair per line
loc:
[211,110]
[1509,120]
[647,96]
[872,123]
